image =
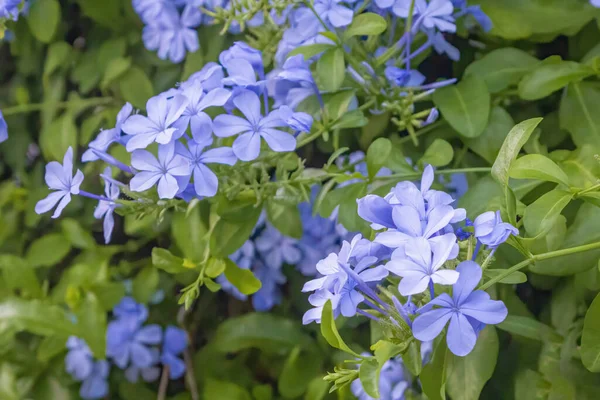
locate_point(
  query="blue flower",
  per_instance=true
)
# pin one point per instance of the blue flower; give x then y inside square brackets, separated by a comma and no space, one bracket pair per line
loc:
[194,115]
[105,208]
[79,361]
[205,181]
[10,9]
[297,121]
[333,12]
[106,137]
[242,51]
[595,3]
[148,374]
[158,126]
[128,343]
[60,178]
[128,308]
[269,294]
[420,265]
[95,386]
[442,46]
[164,171]
[276,248]
[3,129]
[244,258]
[174,344]
[437,14]
[468,311]
[149,10]
[475,10]
[241,74]
[491,231]
[293,83]
[403,78]
[210,77]
[254,127]
[392,382]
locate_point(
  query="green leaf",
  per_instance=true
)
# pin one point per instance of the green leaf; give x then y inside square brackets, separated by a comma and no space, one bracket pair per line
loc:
[337,105]
[36,317]
[577,113]
[366,24]
[145,284]
[331,70]
[189,230]
[412,358]
[57,136]
[528,328]
[227,236]
[18,274]
[536,166]
[43,19]
[513,279]
[243,279]
[163,259]
[317,389]
[513,143]
[311,50]
[351,119]
[115,69]
[541,214]
[76,235]
[267,332]
[547,78]
[502,68]
[369,376]
[469,374]
[297,372]
[91,321]
[221,390]
[136,87]
[48,250]
[434,374]
[438,154]
[590,339]
[488,144]
[57,57]
[193,63]
[330,332]
[215,267]
[377,155]
[466,105]
[50,347]
[286,218]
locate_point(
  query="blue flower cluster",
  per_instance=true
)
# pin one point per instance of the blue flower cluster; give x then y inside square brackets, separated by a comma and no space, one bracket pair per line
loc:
[132,347]
[180,130]
[10,9]
[3,129]
[268,250]
[416,242]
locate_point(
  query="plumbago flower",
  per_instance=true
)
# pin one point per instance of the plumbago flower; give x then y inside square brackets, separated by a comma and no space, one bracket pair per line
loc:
[174,344]
[105,208]
[491,231]
[3,129]
[80,364]
[109,136]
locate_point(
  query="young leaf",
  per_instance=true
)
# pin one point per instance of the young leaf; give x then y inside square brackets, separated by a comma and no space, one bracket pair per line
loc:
[331,69]
[536,166]
[243,279]
[439,154]
[540,215]
[366,24]
[466,105]
[590,339]
[330,332]
[515,140]
[163,259]
[377,155]
[369,376]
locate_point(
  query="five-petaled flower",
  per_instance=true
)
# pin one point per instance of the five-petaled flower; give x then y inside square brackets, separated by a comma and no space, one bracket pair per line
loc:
[491,231]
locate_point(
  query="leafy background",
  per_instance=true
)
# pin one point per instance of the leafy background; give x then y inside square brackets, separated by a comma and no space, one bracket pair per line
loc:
[73,63]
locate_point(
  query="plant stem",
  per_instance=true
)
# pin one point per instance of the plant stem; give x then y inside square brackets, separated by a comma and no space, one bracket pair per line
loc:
[539,257]
[423,131]
[164,384]
[439,172]
[189,375]
[27,108]
[590,189]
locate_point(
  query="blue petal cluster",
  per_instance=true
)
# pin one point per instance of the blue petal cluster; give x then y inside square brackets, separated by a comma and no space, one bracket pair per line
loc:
[130,346]
[415,242]
[3,128]
[9,9]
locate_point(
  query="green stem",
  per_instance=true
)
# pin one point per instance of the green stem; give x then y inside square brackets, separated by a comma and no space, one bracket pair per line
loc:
[590,189]
[26,108]
[414,175]
[539,257]
[423,131]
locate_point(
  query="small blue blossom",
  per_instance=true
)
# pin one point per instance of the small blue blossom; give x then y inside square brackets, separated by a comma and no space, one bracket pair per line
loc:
[164,171]
[60,178]
[95,386]
[254,127]
[491,231]
[242,51]
[128,343]
[468,311]
[158,126]
[435,14]
[105,208]
[210,77]
[10,9]
[148,374]
[128,308]
[205,181]
[276,249]
[403,78]
[241,75]
[333,12]
[106,137]
[174,344]
[269,294]
[595,3]
[3,129]
[79,361]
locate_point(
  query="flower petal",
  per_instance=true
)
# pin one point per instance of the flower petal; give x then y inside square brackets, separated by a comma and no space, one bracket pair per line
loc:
[428,325]
[461,337]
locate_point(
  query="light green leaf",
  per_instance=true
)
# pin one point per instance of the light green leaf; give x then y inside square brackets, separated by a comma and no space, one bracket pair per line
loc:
[57,57]
[330,332]
[541,214]
[19,275]
[377,155]
[513,143]
[468,375]
[513,279]
[48,250]
[536,166]
[136,87]
[528,328]
[145,284]
[56,138]
[547,78]
[590,339]
[577,113]
[317,389]
[163,259]
[366,24]
[267,332]
[331,70]
[221,390]
[76,235]
[438,154]
[369,376]
[36,317]
[115,69]
[189,230]
[502,68]
[43,19]
[488,144]
[434,374]
[227,236]
[243,279]
[298,370]
[91,321]
[311,50]
[466,105]
[286,218]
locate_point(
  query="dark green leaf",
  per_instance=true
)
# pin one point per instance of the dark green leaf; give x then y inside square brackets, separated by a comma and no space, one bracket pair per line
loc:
[434,374]
[541,214]
[369,376]
[243,279]
[528,328]
[145,284]
[311,50]
[488,144]
[297,372]
[438,154]
[136,87]
[590,339]
[221,390]
[578,114]
[466,105]
[48,250]
[43,19]
[163,259]
[227,236]
[547,78]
